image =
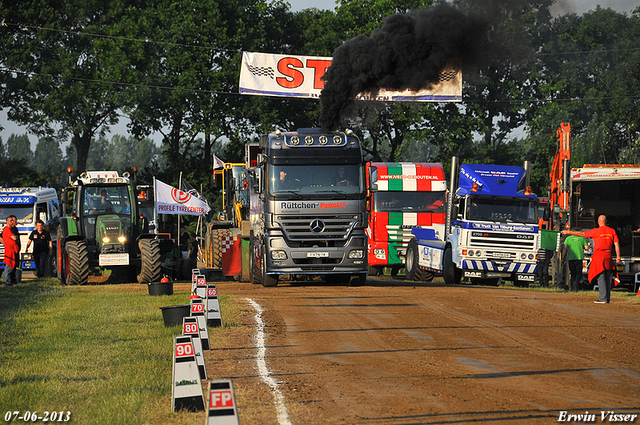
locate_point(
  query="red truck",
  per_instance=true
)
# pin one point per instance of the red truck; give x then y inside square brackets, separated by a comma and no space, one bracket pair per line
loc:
[401,195]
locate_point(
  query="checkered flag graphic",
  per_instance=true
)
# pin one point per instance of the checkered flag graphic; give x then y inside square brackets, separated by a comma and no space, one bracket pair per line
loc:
[261,71]
[227,242]
[448,75]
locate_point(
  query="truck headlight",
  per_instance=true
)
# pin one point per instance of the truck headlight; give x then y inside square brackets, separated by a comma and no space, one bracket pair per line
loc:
[122,239]
[378,251]
[531,256]
[105,239]
[356,253]
[278,255]
[523,256]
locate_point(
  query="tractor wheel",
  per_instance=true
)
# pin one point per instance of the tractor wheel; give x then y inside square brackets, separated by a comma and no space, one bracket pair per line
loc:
[451,273]
[217,246]
[412,270]
[77,263]
[150,264]
[60,257]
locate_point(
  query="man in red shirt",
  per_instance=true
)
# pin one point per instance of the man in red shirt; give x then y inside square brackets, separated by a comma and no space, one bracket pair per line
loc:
[602,265]
[11,241]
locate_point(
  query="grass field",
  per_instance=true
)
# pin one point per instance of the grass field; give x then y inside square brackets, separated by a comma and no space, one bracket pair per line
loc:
[100,352]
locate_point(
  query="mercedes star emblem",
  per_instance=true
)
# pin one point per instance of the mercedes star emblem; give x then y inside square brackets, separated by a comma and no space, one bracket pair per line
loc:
[317,226]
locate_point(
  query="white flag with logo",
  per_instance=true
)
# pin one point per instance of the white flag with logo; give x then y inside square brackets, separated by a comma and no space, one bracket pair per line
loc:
[217,162]
[170,200]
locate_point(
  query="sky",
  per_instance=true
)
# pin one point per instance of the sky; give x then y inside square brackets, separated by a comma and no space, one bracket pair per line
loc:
[561,7]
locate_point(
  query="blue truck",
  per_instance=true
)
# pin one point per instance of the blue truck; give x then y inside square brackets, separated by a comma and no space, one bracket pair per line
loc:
[29,204]
[491,233]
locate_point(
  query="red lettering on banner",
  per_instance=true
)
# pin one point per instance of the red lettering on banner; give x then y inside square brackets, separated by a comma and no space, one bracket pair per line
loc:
[287,66]
[319,68]
[222,399]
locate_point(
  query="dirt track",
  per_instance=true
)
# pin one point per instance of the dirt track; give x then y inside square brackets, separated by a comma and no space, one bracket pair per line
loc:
[394,353]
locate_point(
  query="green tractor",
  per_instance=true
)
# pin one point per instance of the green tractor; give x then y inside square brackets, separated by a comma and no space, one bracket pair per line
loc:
[104,231]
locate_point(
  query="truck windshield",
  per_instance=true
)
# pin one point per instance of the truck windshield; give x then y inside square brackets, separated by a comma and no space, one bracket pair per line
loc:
[429,202]
[106,200]
[316,179]
[24,213]
[503,210]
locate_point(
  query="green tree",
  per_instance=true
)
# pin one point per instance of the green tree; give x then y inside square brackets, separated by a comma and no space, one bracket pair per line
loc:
[123,153]
[588,74]
[70,62]
[48,159]
[19,148]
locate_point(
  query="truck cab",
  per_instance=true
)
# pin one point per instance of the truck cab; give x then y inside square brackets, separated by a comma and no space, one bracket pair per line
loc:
[29,204]
[401,196]
[307,209]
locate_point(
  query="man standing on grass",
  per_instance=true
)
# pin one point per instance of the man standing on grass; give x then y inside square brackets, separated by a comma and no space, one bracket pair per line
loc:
[574,250]
[11,241]
[602,265]
[42,247]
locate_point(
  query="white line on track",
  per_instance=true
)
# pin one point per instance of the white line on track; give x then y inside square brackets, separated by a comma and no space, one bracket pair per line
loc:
[265,374]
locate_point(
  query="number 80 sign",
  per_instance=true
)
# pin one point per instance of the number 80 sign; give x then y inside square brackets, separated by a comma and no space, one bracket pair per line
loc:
[190,328]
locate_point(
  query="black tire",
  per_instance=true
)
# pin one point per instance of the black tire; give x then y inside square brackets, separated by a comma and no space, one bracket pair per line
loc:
[451,273]
[267,281]
[412,270]
[52,264]
[150,262]
[77,260]
[254,269]
[217,246]
[60,257]
[358,280]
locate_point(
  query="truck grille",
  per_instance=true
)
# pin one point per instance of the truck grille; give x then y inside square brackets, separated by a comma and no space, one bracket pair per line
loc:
[502,240]
[398,234]
[312,229]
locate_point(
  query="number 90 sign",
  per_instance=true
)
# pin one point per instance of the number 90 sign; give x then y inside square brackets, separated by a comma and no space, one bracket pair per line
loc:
[184,350]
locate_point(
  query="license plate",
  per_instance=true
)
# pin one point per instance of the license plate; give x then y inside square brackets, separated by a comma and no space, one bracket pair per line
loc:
[317,254]
[501,255]
[114,260]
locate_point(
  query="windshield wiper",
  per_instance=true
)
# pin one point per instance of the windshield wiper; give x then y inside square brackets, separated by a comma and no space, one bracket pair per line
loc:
[296,194]
[337,192]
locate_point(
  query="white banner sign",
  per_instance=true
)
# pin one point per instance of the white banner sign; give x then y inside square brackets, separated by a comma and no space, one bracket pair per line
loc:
[170,200]
[301,76]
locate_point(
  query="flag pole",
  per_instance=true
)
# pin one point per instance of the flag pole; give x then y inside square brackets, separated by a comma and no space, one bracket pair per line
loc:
[179,187]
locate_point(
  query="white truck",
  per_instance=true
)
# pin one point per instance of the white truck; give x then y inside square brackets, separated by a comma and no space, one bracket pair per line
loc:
[30,204]
[491,231]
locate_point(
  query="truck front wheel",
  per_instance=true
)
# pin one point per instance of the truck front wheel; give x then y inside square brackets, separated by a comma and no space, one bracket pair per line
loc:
[412,269]
[77,263]
[451,273]
[267,280]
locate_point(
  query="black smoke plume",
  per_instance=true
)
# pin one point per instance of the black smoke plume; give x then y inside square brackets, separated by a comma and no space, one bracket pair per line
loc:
[408,52]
